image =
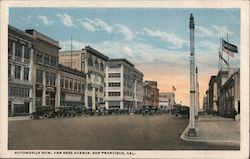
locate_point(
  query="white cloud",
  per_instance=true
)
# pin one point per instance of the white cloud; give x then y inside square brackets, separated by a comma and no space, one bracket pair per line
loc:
[67,20]
[129,35]
[45,20]
[214,31]
[88,26]
[96,25]
[171,38]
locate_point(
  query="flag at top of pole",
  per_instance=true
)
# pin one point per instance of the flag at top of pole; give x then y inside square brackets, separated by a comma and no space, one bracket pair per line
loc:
[228,48]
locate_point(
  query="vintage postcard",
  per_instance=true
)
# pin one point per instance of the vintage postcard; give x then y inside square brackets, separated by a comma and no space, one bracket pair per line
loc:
[124,79]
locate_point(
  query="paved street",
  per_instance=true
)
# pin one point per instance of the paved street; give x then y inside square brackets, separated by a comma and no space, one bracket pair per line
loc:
[132,132]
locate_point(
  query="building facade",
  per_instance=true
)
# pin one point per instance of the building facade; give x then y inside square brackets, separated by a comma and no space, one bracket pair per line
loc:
[92,63]
[151,93]
[72,83]
[221,78]
[46,71]
[123,85]
[230,95]
[166,100]
[212,91]
[20,64]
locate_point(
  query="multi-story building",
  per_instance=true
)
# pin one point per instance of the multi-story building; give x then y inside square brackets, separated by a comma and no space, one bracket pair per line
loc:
[230,95]
[45,72]
[221,78]
[20,64]
[151,93]
[123,85]
[166,100]
[138,92]
[93,64]
[212,91]
[72,83]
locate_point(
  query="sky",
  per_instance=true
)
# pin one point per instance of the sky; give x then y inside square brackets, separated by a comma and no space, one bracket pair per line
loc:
[155,40]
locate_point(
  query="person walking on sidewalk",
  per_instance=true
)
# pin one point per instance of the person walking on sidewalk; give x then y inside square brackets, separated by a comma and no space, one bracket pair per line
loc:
[234,113]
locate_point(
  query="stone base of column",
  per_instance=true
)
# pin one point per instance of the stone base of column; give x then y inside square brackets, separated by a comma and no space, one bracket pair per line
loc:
[196,117]
[192,132]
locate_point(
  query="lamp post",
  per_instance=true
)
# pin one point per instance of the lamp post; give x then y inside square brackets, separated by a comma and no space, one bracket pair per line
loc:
[192,131]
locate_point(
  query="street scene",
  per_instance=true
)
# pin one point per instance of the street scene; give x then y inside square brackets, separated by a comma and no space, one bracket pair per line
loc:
[124,79]
[125,132]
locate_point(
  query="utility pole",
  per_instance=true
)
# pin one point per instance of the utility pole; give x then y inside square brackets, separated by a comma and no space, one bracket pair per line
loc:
[192,131]
[197,96]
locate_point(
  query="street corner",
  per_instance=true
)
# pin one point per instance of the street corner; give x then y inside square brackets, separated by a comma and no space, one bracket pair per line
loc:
[206,136]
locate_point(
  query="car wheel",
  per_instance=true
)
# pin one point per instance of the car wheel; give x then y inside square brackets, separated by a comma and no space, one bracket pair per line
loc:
[32,117]
[45,116]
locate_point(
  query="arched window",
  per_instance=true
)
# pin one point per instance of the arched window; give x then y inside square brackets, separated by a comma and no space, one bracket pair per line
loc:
[96,64]
[90,62]
[101,66]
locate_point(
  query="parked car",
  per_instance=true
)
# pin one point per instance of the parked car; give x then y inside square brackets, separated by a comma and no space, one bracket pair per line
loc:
[43,112]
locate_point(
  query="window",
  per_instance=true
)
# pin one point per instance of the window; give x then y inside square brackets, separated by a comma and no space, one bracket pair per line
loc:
[75,85]
[102,67]
[53,61]
[39,57]
[79,86]
[89,87]
[39,76]
[114,93]
[66,83]
[83,87]
[27,51]
[52,79]
[9,70]
[96,65]
[10,47]
[47,78]
[62,82]
[46,59]
[115,65]
[115,84]
[18,72]
[90,62]
[18,52]
[114,75]
[89,101]
[71,83]
[26,73]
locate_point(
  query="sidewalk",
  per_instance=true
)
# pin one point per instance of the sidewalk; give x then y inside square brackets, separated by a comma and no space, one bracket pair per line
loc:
[19,118]
[215,130]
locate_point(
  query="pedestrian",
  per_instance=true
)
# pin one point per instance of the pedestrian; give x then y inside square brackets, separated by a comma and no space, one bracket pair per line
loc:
[234,114]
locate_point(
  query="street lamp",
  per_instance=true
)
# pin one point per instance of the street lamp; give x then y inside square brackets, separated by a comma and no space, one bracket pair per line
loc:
[192,131]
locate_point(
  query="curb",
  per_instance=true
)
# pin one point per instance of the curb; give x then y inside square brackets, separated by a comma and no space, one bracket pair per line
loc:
[223,142]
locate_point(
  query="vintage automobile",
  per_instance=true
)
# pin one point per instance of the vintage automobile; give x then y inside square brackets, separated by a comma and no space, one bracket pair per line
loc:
[148,110]
[64,112]
[181,111]
[43,112]
[79,110]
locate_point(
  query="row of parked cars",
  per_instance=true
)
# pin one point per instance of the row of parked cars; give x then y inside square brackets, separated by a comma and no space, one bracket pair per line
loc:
[75,111]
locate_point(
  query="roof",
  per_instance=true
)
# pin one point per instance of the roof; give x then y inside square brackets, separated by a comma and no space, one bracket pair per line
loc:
[42,37]
[18,31]
[71,70]
[122,59]
[95,52]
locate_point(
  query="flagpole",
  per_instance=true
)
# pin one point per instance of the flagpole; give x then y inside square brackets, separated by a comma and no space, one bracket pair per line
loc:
[221,52]
[228,58]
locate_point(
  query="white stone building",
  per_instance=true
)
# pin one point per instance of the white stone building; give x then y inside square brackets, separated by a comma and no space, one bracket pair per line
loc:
[166,100]
[124,87]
